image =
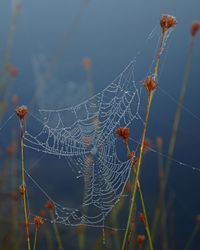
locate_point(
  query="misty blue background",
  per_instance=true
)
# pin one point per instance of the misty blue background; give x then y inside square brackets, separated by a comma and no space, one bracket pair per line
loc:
[111,33]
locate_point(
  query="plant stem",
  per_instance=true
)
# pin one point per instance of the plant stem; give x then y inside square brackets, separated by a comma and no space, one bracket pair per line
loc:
[150,95]
[190,240]
[23,186]
[35,238]
[177,116]
[143,207]
[138,171]
[58,238]
[157,212]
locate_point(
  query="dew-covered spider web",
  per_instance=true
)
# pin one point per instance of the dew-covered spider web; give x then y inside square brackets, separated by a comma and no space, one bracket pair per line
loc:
[85,136]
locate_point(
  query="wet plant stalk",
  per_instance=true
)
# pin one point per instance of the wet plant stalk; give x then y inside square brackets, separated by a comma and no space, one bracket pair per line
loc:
[161,203]
[191,239]
[137,172]
[150,95]
[179,108]
[57,234]
[143,209]
[23,186]
[35,238]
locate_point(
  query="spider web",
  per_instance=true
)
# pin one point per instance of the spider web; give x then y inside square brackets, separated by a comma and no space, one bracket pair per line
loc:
[85,136]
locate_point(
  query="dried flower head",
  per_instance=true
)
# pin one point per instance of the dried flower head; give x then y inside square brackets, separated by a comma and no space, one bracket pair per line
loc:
[38,221]
[150,84]
[21,112]
[131,155]
[80,229]
[167,22]
[87,63]
[11,149]
[128,187]
[12,70]
[142,218]
[3,106]
[195,28]
[198,219]
[123,133]
[159,141]
[15,99]
[146,145]
[140,239]
[49,205]
[22,190]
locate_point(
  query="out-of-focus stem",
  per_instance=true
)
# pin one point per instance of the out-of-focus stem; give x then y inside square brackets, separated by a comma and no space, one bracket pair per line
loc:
[57,234]
[191,239]
[177,116]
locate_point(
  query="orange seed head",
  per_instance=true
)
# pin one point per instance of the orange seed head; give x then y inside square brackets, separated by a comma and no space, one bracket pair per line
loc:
[142,218]
[195,28]
[140,239]
[21,112]
[22,190]
[198,219]
[49,205]
[159,141]
[87,63]
[131,155]
[167,22]
[150,84]
[123,133]
[38,221]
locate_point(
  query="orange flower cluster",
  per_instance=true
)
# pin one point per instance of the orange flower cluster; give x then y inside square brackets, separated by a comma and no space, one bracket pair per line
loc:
[80,229]
[146,145]
[123,133]
[49,205]
[128,187]
[11,149]
[21,112]
[38,221]
[198,219]
[167,22]
[195,28]
[15,99]
[150,84]
[140,239]
[159,141]
[22,190]
[142,218]
[12,71]
[87,63]
[131,155]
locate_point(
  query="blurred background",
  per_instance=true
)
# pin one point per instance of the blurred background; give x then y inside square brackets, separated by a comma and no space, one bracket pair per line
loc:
[55,54]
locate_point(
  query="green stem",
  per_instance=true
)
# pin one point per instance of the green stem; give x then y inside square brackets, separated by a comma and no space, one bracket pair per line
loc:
[143,207]
[191,239]
[58,238]
[177,115]
[138,171]
[35,238]
[150,95]
[23,186]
